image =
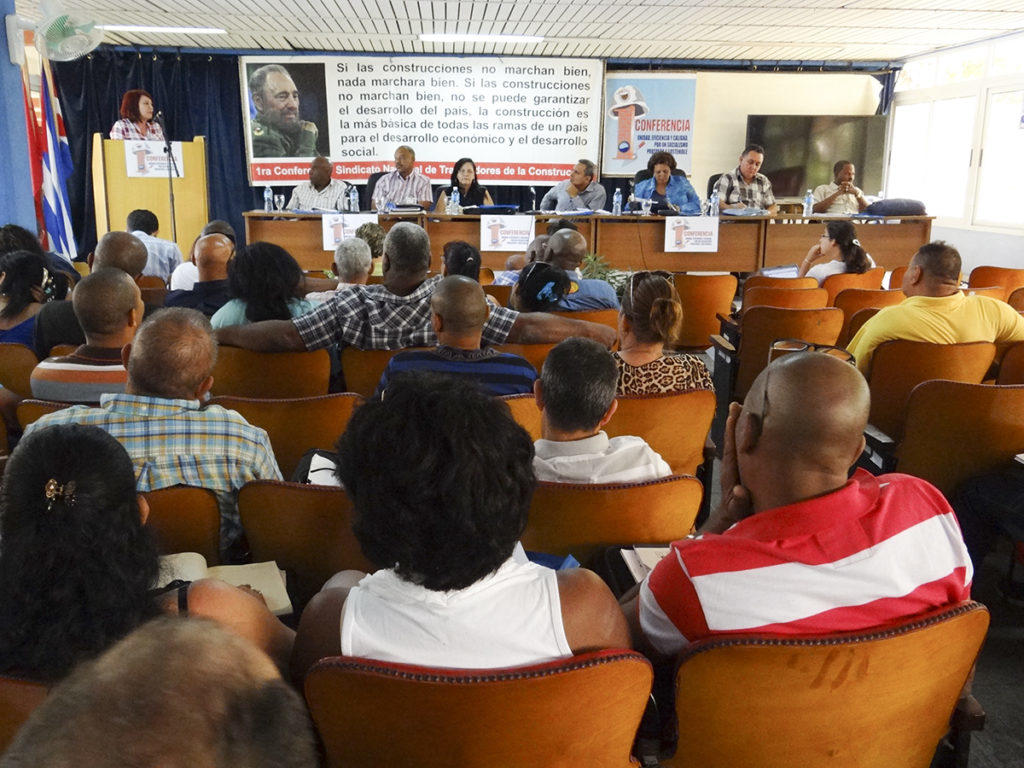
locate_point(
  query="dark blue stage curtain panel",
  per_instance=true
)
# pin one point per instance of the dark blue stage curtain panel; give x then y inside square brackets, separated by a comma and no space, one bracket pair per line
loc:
[199,96]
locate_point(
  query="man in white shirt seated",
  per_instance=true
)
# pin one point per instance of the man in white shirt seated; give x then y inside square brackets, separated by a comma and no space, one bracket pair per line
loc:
[164,255]
[576,397]
[321,192]
[841,196]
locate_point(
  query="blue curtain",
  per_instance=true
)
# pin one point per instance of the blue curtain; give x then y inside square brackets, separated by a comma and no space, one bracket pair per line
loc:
[199,96]
[885,97]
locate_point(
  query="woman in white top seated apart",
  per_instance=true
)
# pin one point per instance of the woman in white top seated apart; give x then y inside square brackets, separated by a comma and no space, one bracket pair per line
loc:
[837,251]
[441,478]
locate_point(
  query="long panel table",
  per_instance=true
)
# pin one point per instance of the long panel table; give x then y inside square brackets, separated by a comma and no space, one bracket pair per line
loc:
[890,241]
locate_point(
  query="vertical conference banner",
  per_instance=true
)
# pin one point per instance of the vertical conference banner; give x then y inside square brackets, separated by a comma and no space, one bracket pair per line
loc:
[524,121]
[647,112]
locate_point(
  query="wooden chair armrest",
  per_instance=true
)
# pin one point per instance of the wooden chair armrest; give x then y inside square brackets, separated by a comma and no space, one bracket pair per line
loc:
[969,715]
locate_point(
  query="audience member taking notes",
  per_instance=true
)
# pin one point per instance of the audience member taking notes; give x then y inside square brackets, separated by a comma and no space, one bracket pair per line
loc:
[164,255]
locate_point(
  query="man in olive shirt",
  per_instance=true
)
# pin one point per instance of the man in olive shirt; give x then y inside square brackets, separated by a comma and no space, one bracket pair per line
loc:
[277,130]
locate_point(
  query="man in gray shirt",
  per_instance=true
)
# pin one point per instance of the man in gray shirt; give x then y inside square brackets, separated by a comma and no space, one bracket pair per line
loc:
[580,192]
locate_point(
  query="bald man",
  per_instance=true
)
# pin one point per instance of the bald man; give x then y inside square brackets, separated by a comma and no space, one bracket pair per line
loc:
[795,547]
[108,306]
[213,252]
[566,249]
[458,312]
[321,192]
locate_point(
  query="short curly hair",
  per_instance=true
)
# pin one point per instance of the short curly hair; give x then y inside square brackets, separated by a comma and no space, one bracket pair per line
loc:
[266,277]
[75,570]
[441,478]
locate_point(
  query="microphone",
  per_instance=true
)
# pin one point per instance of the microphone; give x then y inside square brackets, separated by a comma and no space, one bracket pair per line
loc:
[159,117]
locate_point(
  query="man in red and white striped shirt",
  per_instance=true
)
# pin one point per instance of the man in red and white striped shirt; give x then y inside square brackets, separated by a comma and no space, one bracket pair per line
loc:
[795,547]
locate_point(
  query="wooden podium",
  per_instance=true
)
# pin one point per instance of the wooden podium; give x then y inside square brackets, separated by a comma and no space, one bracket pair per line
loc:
[116,194]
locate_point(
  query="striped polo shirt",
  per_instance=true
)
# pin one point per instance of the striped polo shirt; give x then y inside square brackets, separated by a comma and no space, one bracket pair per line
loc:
[877,550]
[81,377]
[499,373]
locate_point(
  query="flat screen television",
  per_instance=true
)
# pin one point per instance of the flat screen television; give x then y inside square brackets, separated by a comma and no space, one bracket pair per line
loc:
[800,150]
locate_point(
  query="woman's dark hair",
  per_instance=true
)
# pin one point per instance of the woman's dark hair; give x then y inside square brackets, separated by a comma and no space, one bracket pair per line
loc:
[130,104]
[845,235]
[266,278]
[651,303]
[540,287]
[661,158]
[76,563]
[445,504]
[22,271]
[474,186]
[461,258]
[15,238]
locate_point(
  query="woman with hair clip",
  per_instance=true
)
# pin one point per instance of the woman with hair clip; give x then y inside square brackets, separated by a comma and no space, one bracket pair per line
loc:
[78,567]
[649,318]
[840,245]
[264,280]
[464,179]
[137,118]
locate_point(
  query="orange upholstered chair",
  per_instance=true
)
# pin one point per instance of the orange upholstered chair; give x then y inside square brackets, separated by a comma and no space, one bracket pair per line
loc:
[609,317]
[17,700]
[791,298]
[244,373]
[525,412]
[535,354]
[872,699]
[1008,279]
[580,711]
[756,281]
[501,293]
[364,367]
[896,278]
[834,284]
[29,410]
[16,364]
[675,425]
[703,297]
[852,300]
[185,518]
[1016,299]
[1011,367]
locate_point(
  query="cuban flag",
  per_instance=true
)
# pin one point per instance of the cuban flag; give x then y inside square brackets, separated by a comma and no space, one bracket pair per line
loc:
[57,169]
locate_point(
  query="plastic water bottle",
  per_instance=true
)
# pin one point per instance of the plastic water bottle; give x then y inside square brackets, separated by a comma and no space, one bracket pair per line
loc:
[453,202]
[533,199]
[617,203]
[713,209]
[353,199]
[808,203]
[268,199]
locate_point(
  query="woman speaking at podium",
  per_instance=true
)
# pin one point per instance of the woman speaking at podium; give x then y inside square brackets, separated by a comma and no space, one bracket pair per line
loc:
[136,118]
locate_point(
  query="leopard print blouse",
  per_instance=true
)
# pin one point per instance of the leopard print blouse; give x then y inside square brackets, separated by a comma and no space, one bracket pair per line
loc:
[669,373]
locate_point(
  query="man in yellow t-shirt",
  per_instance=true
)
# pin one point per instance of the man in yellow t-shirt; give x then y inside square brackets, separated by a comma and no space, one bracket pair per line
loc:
[936,310]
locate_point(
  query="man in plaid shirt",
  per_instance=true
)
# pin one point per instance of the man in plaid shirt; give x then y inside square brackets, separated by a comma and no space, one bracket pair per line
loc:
[396,314]
[745,187]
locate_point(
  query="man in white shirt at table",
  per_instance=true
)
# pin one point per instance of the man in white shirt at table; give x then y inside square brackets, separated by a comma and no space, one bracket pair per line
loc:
[321,192]
[405,185]
[841,196]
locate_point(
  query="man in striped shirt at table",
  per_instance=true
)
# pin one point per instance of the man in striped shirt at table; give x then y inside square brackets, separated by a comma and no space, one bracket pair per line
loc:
[795,547]
[405,185]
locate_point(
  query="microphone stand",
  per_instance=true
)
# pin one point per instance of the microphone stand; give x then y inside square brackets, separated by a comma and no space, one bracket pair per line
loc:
[172,171]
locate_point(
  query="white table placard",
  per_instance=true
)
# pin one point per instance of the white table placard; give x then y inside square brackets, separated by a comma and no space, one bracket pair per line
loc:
[691,233]
[147,159]
[341,226]
[505,233]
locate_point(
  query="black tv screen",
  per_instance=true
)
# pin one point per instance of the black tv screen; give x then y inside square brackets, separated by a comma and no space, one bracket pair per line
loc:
[800,150]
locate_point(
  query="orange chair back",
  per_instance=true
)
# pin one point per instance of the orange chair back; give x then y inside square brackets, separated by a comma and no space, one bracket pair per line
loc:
[581,520]
[955,431]
[609,317]
[896,278]
[150,281]
[244,373]
[858,319]
[154,296]
[297,424]
[501,293]
[16,364]
[17,700]
[675,425]
[852,300]
[62,350]
[185,518]
[993,292]
[703,297]
[486,275]
[1016,299]
[1011,368]
[364,367]
[791,298]
[898,366]
[869,280]
[1005,277]
[872,699]
[766,281]
[525,412]
[535,354]
[29,410]
[761,326]
[307,529]
[580,711]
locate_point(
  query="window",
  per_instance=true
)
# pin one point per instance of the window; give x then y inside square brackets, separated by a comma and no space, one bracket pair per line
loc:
[1000,200]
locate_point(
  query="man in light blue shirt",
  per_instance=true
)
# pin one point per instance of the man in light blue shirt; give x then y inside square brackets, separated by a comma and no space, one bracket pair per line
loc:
[580,192]
[565,250]
[164,255]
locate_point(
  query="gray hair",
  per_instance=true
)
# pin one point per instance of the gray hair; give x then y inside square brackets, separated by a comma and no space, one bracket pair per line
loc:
[352,258]
[258,79]
[408,149]
[173,352]
[407,247]
[589,167]
[578,384]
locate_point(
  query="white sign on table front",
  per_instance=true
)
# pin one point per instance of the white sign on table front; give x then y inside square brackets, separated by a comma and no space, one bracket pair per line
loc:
[148,160]
[691,233]
[341,226]
[505,233]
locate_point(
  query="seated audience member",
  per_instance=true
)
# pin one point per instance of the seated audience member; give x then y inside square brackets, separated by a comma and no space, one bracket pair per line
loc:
[24,280]
[650,317]
[458,311]
[539,289]
[440,511]
[173,693]
[15,238]
[164,255]
[840,245]
[373,234]
[936,310]
[576,397]
[580,192]
[518,261]
[565,250]
[868,550]
[108,305]
[396,314]
[352,266]
[186,274]
[663,186]
[211,292]
[170,437]
[841,196]
[78,566]
[56,322]
[460,258]
[264,283]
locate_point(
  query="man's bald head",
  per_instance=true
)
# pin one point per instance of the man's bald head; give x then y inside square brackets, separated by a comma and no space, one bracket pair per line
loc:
[537,249]
[460,303]
[103,302]
[120,250]
[173,355]
[565,249]
[213,252]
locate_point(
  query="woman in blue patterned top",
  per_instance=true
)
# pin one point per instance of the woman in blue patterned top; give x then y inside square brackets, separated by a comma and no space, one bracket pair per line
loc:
[664,187]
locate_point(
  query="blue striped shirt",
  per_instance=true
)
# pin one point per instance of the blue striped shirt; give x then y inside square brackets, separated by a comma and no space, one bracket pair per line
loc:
[499,373]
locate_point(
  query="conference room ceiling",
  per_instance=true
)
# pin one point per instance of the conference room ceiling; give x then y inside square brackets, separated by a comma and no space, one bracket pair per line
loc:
[765,30]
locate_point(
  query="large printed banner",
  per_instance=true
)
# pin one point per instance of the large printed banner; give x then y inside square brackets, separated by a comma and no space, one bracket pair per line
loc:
[647,112]
[524,121]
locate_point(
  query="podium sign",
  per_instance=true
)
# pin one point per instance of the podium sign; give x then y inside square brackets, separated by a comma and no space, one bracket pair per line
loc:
[147,159]
[691,233]
[341,226]
[506,233]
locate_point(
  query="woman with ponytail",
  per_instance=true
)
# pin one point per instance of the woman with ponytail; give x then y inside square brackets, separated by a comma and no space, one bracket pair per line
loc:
[649,318]
[838,243]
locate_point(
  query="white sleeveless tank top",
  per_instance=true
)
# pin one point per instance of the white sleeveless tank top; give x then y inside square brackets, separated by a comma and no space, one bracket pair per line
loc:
[509,618]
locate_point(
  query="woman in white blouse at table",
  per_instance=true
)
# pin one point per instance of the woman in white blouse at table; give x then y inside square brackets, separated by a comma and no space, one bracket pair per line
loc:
[137,118]
[836,252]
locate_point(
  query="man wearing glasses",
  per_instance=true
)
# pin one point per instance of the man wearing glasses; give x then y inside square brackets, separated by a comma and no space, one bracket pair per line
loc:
[795,547]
